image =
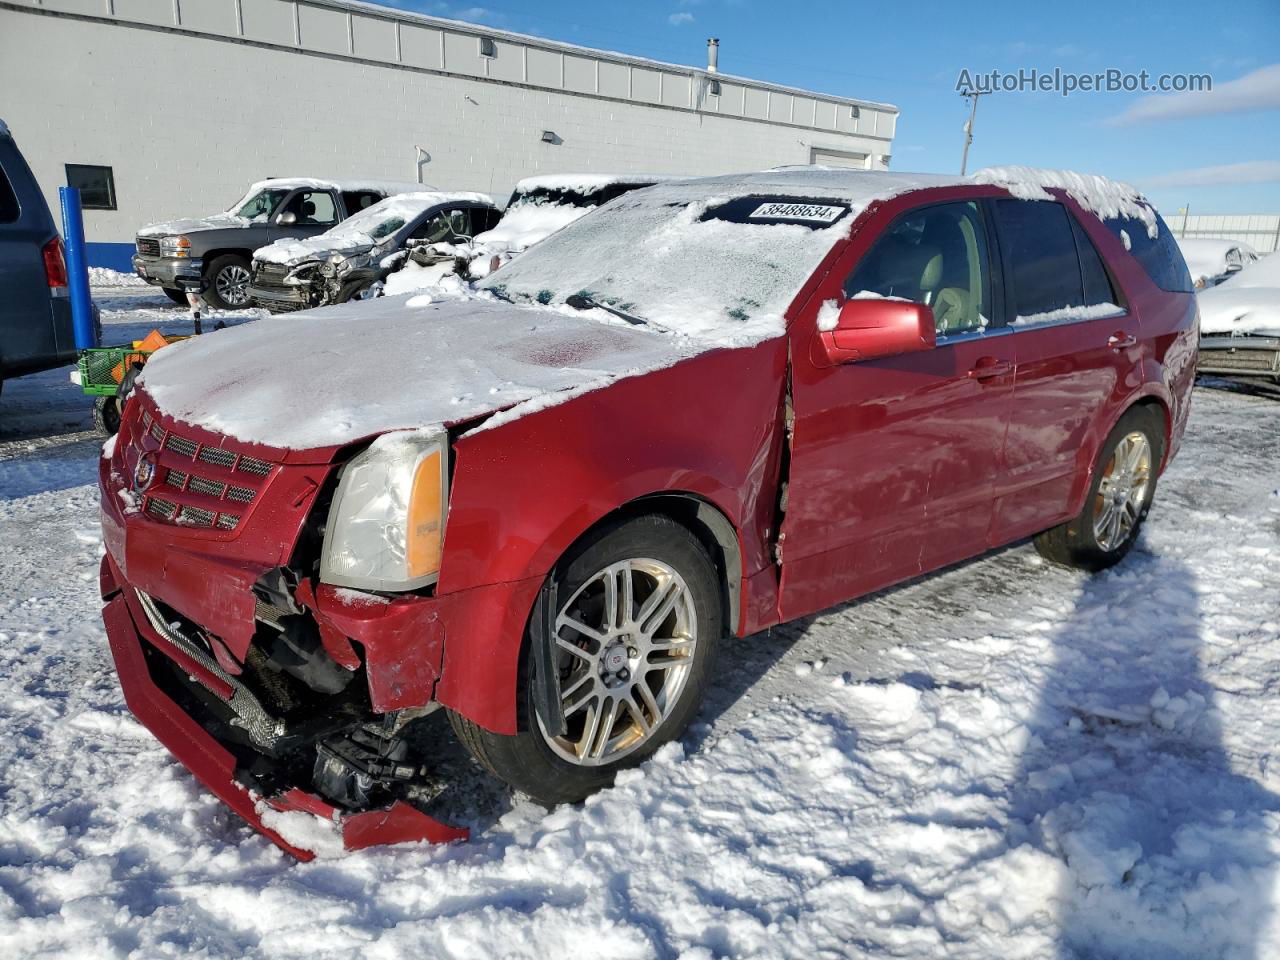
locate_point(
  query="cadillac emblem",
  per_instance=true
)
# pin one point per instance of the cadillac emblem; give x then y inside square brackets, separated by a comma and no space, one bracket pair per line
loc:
[144,473]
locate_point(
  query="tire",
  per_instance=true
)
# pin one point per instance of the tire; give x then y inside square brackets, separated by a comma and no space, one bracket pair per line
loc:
[106,415]
[353,291]
[228,282]
[1089,541]
[177,296]
[664,563]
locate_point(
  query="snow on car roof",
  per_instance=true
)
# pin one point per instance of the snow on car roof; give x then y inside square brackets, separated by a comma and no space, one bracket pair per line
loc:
[1246,303]
[587,183]
[388,187]
[1103,197]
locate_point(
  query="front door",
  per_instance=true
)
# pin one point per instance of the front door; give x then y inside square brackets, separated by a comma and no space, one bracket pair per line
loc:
[894,460]
[314,212]
[1076,347]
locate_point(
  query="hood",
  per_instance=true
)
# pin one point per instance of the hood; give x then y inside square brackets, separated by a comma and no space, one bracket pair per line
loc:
[218,221]
[293,252]
[328,377]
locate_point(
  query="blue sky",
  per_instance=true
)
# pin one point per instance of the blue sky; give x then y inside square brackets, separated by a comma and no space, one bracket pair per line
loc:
[1218,152]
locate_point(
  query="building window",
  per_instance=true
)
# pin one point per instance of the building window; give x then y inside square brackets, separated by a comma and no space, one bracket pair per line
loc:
[487,47]
[714,88]
[96,184]
[854,112]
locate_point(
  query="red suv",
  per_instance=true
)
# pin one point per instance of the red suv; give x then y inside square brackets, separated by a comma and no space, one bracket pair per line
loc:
[703,409]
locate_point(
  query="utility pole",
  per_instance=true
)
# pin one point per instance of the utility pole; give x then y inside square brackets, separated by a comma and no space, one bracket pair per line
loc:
[968,127]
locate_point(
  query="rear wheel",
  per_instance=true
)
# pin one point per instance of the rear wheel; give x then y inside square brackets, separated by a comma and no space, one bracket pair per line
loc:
[633,641]
[1119,498]
[177,296]
[228,287]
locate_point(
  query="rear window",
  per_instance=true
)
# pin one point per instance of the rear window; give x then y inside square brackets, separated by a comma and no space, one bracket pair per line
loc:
[1159,255]
[8,200]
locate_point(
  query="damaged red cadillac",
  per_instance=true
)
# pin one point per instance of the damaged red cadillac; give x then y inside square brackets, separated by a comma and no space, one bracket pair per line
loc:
[544,506]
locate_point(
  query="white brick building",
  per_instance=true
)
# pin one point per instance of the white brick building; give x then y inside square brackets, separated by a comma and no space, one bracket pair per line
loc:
[188,101]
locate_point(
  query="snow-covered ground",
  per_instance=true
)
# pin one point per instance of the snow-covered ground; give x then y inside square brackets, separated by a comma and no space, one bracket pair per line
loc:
[1006,760]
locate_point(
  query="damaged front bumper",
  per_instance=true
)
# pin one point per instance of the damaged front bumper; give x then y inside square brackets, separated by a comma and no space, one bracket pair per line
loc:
[1245,355]
[181,695]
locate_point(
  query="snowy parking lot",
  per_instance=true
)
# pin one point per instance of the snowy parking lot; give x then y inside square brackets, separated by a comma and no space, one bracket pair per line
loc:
[1004,760]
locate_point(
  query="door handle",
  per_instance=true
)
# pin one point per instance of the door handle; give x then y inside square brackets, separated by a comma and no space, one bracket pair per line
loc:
[1121,340]
[988,368]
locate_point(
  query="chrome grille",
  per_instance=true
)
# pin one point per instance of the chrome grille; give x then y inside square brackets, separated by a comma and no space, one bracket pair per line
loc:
[241,494]
[159,507]
[148,246]
[195,517]
[194,498]
[217,456]
[257,467]
[209,488]
[181,445]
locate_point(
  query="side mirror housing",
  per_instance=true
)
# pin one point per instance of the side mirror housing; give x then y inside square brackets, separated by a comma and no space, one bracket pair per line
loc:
[871,328]
[287,219]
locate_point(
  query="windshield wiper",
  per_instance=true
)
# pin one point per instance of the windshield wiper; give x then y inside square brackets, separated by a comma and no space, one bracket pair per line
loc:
[584,301]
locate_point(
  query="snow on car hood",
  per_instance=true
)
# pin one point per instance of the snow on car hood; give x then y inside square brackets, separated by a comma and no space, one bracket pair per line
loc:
[1246,303]
[312,248]
[217,221]
[328,377]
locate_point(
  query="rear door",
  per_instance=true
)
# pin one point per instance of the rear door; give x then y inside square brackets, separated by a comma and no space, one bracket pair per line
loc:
[1075,344]
[894,460]
[29,334]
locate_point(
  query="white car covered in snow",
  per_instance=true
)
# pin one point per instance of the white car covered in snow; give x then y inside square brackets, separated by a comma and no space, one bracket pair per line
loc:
[1240,323]
[1211,260]
[539,206]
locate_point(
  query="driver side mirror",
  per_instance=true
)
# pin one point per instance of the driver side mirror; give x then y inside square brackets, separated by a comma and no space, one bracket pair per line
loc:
[287,219]
[875,327]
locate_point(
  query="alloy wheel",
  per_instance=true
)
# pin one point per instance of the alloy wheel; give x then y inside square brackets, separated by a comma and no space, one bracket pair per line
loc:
[1122,491]
[232,285]
[625,645]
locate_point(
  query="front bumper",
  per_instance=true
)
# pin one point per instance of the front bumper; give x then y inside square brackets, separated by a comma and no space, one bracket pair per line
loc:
[1248,356]
[167,271]
[136,647]
[272,297]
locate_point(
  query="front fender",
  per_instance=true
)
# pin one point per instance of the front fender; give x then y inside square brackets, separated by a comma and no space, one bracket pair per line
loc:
[526,490]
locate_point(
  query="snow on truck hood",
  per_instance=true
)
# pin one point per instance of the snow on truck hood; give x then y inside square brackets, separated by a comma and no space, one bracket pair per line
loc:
[332,376]
[218,221]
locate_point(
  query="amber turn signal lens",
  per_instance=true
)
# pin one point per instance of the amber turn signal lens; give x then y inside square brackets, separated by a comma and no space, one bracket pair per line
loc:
[426,516]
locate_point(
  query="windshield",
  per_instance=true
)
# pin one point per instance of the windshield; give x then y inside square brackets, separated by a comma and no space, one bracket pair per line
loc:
[374,224]
[724,268]
[260,205]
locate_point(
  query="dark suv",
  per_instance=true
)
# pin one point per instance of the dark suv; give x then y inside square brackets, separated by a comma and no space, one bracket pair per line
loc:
[219,249]
[35,314]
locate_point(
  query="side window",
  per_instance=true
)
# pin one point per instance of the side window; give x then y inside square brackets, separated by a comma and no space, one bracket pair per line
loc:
[357,200]
[9,209]
[1097,284]
[444,227]
[313,208]
[936,256]
[1158,255]
[1044,266]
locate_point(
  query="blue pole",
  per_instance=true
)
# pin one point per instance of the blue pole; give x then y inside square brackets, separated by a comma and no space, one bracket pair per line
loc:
[77,269]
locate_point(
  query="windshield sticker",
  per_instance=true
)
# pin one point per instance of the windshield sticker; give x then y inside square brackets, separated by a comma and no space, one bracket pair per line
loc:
[805,212]
[815,213]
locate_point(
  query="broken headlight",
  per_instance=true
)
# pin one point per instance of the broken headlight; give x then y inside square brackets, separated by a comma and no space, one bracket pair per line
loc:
[386,523]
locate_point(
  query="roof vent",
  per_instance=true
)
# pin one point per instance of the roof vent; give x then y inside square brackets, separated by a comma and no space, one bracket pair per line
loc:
[713,54]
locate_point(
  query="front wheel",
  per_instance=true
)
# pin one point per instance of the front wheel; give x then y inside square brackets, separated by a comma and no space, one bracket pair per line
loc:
[106,415]
[1119,497]
[228,286]
[638,617]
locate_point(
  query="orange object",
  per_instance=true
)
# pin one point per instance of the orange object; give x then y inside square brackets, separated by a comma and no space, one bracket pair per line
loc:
[152,342]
